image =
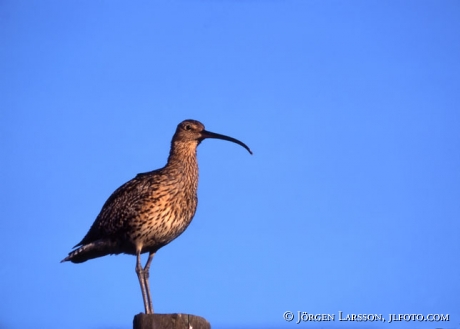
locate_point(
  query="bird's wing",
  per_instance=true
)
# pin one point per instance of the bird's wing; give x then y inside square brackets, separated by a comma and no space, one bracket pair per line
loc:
[121,207]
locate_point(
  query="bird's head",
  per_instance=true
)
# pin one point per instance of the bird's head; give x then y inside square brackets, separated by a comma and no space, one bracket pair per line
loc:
[193,131]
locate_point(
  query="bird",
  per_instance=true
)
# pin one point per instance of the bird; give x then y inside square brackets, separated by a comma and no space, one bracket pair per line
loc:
[152,209]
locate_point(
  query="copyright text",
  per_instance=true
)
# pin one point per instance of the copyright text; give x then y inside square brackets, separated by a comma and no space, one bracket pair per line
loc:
[300,316]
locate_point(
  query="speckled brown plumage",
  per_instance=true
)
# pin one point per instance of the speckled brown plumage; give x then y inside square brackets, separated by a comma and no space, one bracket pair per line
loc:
[150,210]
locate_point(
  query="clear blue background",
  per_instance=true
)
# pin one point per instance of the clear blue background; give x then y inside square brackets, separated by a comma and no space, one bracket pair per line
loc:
[351,201]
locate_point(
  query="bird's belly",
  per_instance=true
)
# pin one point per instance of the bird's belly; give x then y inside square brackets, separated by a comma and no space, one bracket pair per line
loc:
[155,230]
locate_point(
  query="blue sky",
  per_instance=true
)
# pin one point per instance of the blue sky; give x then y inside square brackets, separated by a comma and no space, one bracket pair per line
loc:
[351,201]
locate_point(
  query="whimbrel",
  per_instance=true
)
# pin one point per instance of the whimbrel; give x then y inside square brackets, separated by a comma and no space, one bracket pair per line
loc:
[152,209]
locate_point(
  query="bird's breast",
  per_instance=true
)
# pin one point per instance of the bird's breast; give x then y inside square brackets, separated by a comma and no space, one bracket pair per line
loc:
[163,217]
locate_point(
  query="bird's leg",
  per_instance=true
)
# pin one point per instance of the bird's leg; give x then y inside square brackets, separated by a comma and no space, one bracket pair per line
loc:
[146,280]
[141,277]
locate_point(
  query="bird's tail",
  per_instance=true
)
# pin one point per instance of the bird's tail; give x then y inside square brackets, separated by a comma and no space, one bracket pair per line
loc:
[89,251]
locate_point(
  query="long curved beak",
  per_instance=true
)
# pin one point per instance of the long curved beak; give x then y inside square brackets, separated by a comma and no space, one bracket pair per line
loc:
[207,134]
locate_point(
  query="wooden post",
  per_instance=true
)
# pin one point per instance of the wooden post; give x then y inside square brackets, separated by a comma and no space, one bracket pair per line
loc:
[170,321]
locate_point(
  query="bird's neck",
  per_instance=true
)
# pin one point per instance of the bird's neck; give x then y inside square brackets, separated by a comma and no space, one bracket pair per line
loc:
[182,160]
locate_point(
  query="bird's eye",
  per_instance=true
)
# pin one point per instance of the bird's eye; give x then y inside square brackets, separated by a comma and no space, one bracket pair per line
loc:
[187,127]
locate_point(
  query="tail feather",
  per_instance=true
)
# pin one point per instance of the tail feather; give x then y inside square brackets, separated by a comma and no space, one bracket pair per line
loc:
[91,250]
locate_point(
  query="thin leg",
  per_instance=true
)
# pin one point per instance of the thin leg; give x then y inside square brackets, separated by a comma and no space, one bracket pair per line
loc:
[146,280]
[141,277]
